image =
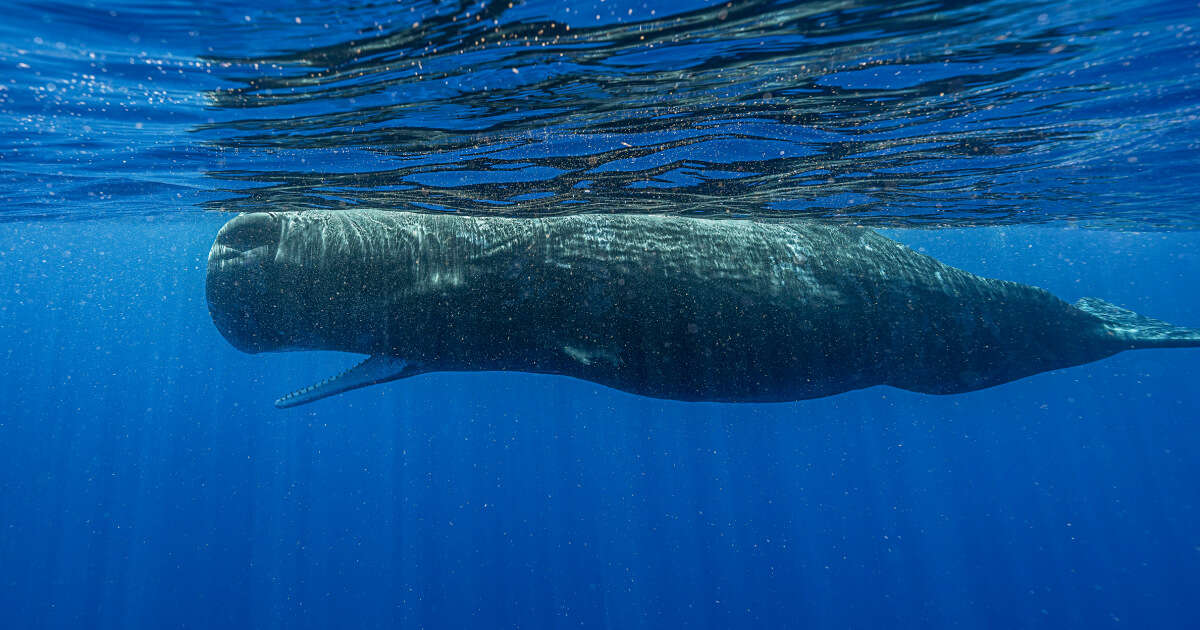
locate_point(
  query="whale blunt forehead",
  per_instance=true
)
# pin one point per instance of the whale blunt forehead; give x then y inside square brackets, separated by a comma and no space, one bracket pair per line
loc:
[239,279]
[300,238]
[245,234]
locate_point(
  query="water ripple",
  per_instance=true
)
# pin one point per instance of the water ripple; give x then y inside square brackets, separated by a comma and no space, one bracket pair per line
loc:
[913,112]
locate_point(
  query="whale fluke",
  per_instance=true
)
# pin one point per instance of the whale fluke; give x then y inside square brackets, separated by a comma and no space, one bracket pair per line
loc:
[371,371]
[1139,331]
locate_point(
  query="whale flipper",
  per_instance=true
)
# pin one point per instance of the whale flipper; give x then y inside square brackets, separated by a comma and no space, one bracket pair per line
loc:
[372,370]
[1138,330]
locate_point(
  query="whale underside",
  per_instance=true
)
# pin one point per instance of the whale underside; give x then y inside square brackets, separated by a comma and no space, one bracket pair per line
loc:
[663,306]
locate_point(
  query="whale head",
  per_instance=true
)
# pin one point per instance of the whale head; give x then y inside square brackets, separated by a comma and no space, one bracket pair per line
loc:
[280,281]
[367,282]
[244,285]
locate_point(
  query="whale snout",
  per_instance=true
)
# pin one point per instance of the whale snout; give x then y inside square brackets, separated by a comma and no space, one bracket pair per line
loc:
[248,239]
[240,268]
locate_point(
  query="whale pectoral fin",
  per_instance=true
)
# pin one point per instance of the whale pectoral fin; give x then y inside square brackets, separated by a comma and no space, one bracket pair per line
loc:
[372,370]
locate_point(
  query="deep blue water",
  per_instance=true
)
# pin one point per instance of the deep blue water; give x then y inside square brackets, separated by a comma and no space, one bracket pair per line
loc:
[146,481]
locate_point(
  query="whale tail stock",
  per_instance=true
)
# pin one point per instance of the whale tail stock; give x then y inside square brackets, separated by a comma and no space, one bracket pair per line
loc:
[1139,331]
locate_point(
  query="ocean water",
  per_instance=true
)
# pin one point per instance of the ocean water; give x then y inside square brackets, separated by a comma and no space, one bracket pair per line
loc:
[146,480]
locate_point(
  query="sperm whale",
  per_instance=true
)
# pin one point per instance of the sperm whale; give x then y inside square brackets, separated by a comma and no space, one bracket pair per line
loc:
[663,306]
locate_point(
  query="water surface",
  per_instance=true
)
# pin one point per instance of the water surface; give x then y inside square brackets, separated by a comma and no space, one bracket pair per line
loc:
[942,113]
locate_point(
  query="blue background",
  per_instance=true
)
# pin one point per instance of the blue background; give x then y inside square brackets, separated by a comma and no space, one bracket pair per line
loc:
[147,482]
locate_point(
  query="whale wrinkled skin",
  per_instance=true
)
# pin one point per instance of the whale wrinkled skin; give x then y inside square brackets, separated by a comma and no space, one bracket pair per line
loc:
[664,306]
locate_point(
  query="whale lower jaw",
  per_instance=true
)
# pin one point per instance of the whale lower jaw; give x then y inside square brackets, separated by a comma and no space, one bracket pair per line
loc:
[371,371]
